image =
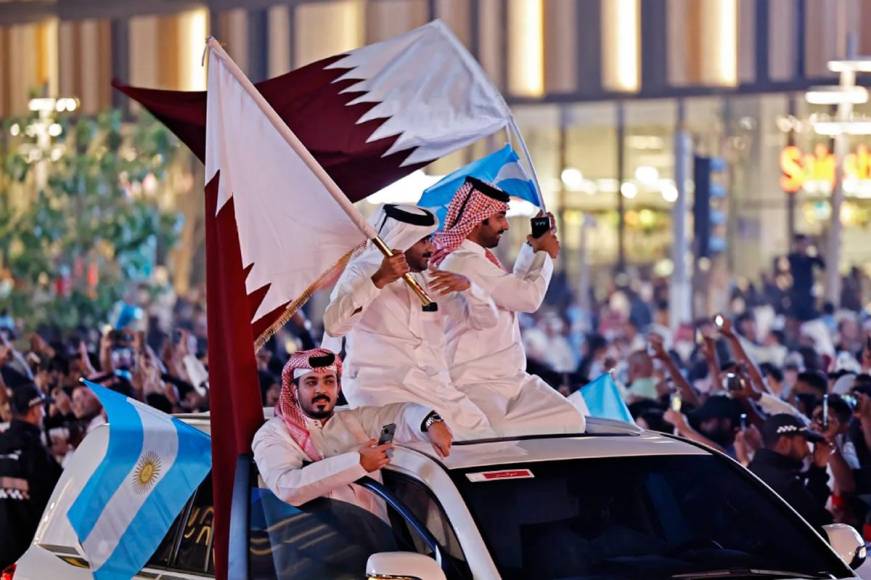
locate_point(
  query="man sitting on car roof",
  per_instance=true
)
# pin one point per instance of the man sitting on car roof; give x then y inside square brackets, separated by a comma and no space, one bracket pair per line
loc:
[310,450]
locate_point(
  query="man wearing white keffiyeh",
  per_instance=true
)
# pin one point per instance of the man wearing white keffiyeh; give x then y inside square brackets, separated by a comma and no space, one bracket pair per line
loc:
[395,351]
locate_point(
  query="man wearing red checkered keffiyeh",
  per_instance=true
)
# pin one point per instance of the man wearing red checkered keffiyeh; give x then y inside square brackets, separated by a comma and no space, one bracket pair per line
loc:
[489,364]
[310,449]
[472,207]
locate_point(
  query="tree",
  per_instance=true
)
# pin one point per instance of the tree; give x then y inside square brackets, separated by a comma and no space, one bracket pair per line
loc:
[79,214]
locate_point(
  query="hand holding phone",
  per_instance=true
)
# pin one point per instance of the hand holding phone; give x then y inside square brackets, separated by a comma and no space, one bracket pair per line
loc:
[743,421]
[387,432]
[676,402]
[825,418]
[540,226]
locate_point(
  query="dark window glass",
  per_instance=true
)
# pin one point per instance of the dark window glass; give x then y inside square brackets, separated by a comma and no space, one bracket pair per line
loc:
[638,517]
[164,550]
[323,538]
[419,499]
[195,541]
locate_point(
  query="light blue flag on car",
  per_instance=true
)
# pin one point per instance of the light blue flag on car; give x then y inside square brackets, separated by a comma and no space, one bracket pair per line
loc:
[501,168]
[604,400]
[152,466]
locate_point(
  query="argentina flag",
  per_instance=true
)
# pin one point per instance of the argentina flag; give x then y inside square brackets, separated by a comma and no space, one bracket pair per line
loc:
[603,399]
[501,168]
[152,466]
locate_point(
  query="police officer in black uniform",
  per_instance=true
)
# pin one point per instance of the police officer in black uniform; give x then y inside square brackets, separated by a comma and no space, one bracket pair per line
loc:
[28,473]
[780,464]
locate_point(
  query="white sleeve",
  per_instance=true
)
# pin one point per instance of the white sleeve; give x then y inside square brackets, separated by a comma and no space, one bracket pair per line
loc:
[280,464]
[473,305]
[354,292]
[408,418]
[772,405]
[520,291]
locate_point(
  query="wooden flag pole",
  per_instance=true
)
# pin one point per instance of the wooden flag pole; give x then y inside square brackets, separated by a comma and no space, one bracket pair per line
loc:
[299,148]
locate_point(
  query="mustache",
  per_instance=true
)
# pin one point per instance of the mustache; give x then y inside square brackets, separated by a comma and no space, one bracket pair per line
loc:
[317,398]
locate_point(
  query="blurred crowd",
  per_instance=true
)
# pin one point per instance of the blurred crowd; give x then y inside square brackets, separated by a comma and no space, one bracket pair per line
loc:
[778,381]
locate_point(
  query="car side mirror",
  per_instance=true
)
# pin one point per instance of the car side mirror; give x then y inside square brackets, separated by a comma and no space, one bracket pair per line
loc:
[384,565]
[847,543]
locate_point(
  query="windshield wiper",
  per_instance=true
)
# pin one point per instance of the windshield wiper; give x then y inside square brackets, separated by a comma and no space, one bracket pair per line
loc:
[747,572]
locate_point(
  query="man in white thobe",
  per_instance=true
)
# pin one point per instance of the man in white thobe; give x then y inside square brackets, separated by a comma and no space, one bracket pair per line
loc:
[489,364]
[311,450]
[395,351]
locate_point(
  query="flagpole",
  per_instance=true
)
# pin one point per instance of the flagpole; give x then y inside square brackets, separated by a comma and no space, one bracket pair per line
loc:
[300,149]
[529,162]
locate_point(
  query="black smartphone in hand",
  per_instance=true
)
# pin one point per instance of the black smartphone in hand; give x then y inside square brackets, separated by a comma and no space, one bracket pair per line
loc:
[387,433]
[540,226]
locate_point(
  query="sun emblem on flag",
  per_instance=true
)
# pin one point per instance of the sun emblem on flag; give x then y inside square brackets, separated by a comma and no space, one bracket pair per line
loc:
[146,472]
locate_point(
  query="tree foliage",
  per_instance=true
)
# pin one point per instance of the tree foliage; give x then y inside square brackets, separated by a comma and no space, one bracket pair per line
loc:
[80,218]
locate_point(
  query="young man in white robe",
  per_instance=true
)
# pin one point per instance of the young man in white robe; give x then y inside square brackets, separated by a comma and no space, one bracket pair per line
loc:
[310,450]
[396,351]
[489,364]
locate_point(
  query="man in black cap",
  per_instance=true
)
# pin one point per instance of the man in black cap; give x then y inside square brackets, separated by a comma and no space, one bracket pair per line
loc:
[779,464]
[28,474]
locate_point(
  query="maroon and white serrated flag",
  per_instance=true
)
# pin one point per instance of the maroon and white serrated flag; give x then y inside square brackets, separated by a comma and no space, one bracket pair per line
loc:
[370,116]
[273,230]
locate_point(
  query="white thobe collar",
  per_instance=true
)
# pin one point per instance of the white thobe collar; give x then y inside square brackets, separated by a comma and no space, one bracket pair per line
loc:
[473,247]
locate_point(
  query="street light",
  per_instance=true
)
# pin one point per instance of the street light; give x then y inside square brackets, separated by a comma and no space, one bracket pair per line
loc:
[837,95]
[844,95]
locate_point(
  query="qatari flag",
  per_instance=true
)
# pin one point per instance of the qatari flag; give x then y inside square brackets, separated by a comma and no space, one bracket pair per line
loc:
[370,116]
[275,233]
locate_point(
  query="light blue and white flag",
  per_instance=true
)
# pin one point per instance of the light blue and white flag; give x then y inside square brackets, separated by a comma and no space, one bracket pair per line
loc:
[501,168]
[604,400]
[152,466]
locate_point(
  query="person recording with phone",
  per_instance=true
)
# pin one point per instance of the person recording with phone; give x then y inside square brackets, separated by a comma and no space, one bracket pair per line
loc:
[489,364]
[310,449]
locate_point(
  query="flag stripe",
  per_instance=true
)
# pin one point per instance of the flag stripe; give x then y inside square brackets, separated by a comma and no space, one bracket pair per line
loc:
[162,504]
[109,475]
[159,437]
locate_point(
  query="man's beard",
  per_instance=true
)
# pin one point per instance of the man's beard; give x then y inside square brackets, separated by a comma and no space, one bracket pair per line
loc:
[315,413]
[420,264]
[494,241]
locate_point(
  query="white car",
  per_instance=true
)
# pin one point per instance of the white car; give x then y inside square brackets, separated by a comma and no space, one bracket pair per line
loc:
[616,502]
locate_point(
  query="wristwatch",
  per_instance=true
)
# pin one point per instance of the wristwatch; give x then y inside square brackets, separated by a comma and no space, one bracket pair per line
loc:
[433,417]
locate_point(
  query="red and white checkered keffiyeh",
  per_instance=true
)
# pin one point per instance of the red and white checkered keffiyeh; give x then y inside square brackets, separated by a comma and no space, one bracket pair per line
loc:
[468,208]
[288,406]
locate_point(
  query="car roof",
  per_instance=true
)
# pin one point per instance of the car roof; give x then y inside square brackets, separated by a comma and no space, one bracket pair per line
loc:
[602,438]
[595,443]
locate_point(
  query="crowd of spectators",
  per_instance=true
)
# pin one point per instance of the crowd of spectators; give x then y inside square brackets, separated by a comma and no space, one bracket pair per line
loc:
[777,381]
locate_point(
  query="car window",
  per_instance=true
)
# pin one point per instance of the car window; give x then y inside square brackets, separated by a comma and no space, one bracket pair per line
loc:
[419,499]
[323,538]
[638,517]
[188,547]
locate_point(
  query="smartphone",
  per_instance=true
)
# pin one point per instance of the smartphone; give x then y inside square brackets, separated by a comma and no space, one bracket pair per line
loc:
[825,412]
[676,402]
[700,338]
[540,226]
[851,401]
[733,382]
[719,321]
[742,421]
[387,433]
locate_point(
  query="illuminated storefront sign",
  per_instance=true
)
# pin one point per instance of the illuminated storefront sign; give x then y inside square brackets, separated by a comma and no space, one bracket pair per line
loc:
[816,171]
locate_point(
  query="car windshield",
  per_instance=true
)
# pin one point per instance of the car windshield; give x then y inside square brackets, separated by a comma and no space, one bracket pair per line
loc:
[636,517]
